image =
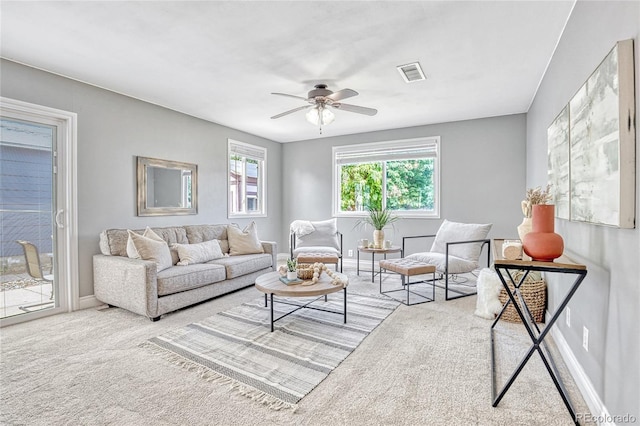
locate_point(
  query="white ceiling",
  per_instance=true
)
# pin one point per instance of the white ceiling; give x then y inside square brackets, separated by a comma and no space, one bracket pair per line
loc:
[220,60]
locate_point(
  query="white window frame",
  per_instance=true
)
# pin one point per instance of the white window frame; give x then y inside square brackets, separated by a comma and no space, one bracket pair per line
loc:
[254,152]
[381,151]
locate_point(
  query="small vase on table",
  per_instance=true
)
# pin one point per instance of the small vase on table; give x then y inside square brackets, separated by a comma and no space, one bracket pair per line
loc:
[542,243]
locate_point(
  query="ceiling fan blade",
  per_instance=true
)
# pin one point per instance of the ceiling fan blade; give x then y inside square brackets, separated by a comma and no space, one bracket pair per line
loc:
[290,96]
[355,108]
[342,94]
[291,111]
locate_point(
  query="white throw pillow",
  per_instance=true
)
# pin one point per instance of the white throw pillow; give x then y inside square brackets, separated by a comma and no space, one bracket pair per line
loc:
[150,249]
[325,235]
[131,248]
[244,241]
[453,231]
[198,253]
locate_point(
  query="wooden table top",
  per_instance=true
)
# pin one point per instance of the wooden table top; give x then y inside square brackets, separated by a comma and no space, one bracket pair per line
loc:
[270,283]
[392,249]
[563,262]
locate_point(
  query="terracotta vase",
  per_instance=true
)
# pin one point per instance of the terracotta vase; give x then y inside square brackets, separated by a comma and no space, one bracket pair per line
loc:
[542,243]
[378,238]
[524,228]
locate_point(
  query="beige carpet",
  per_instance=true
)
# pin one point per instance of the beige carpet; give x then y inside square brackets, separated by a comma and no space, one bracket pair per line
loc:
[427,364]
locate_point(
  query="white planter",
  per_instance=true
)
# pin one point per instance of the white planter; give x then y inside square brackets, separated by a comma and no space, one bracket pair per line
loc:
[378,239]
[292,275]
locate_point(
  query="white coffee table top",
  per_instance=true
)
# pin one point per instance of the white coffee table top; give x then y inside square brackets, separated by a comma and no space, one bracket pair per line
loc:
[270,283]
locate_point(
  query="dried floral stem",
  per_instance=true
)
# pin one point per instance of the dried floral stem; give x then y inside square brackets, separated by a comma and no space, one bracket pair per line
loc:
[535,196]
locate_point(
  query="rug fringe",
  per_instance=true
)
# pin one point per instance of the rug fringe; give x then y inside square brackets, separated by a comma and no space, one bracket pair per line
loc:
[215,377]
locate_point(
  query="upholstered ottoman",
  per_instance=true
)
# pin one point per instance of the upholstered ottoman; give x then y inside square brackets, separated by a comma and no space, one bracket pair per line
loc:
[408,268]
[326,258]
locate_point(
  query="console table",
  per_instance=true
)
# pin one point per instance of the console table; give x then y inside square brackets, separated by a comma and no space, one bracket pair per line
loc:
[503,267]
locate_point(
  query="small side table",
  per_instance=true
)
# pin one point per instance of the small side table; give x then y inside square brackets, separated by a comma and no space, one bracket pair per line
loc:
[373,251]
[504,268]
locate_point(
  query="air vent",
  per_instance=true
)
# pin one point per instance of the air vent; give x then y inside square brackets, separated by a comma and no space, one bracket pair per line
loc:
[411,72]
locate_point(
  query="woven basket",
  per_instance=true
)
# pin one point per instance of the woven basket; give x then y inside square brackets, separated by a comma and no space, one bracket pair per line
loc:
[305,272]
[534,292]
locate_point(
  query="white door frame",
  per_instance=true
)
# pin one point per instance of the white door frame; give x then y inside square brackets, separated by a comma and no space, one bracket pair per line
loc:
[66,214]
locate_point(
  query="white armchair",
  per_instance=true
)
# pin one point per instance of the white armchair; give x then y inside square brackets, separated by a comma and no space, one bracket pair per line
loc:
[456,250]
[321,237]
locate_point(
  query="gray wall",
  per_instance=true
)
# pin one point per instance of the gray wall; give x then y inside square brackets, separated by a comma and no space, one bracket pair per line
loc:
[482,177]
[113,130]
[608,303]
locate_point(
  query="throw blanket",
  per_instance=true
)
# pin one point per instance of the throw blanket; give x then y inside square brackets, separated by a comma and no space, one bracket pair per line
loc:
[302,227]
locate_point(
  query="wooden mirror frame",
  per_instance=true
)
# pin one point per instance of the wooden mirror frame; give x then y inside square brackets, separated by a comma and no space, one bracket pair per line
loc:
[143,163]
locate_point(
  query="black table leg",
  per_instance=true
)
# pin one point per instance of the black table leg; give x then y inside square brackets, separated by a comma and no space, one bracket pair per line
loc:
[271,316]
[373,261]
[345,305]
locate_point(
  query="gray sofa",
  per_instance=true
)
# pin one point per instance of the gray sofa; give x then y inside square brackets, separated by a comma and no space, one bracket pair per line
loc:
[135,284]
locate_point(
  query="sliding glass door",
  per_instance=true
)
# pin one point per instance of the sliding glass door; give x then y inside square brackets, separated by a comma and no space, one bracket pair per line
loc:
[27,208]
[38,232]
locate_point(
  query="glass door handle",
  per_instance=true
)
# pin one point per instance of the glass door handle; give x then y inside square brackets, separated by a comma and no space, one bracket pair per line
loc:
[59,223]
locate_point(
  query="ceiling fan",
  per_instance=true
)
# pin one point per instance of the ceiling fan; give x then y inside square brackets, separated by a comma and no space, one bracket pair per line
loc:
[319,99]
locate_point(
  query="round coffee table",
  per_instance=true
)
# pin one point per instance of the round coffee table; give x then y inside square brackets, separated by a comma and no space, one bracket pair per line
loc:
[271,286]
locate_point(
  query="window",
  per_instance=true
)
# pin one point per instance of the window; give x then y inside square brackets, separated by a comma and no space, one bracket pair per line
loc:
[402,176]
[247,164]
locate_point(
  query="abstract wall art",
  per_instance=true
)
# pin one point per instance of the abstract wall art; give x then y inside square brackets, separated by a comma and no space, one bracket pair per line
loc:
[558,146]
[591,146]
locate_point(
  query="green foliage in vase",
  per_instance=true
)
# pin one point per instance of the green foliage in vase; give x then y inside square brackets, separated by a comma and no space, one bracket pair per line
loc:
[291,265]
[378,219]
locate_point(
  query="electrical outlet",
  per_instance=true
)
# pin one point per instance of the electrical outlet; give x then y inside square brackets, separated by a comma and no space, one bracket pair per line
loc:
[350,253]
[585,338]
[568,317]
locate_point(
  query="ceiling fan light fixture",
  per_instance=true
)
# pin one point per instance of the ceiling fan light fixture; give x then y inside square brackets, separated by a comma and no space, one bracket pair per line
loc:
[320,116]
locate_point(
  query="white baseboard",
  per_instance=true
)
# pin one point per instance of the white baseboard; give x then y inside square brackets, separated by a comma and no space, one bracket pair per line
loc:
[86,302]
[598,410]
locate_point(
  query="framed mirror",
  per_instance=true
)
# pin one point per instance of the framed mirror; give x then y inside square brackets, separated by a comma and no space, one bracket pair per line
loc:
[166,187]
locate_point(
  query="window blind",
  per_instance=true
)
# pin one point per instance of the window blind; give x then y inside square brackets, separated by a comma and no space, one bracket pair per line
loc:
[247,151]
[369,153]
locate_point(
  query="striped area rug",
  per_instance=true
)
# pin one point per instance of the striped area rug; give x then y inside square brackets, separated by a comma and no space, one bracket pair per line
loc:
[277,369]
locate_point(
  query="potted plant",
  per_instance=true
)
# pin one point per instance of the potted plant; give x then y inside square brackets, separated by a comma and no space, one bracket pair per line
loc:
[378,219]
[292,273]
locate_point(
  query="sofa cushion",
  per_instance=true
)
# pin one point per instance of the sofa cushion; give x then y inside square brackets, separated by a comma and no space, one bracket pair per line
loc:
[201,233]
[236,266]
[456,264]
[244,241]
[198,253]
[132,252]
[454,231]
[113,242]
[150,249]
[181,278]
[315,249]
